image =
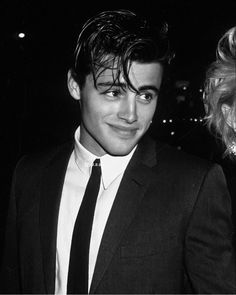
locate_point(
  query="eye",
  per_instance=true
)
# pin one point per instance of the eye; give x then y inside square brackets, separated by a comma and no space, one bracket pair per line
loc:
[113,92]
[146,97]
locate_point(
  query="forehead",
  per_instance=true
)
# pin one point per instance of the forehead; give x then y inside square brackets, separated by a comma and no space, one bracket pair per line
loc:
[139,74]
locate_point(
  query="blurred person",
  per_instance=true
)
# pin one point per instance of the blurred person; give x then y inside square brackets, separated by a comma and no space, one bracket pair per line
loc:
[161,222]
[220,92]
[220,103]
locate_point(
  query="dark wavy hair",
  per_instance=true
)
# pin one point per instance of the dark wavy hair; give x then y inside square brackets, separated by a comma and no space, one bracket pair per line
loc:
[113,39]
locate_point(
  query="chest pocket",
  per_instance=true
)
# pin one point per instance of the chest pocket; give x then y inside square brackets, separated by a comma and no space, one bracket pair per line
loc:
[149,248]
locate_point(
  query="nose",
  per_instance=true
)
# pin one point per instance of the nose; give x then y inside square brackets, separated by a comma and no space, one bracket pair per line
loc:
[128,109]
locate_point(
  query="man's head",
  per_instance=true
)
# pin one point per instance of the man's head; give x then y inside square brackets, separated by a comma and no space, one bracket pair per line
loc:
[117,74]
[112,39]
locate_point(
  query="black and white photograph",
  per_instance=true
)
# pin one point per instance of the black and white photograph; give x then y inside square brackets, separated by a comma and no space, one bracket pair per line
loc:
[118,145]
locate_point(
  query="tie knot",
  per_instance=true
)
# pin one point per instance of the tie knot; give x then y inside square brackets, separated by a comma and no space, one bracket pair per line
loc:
[96,162]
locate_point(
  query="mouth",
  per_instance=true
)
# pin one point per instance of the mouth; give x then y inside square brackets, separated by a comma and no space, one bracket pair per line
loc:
[123,131]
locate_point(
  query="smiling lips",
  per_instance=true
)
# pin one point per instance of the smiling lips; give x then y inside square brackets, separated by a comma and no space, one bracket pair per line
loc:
[126,132]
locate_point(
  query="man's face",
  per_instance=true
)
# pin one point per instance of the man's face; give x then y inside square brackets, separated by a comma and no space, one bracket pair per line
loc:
[115,117]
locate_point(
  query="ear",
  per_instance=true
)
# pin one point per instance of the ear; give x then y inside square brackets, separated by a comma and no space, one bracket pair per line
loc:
[228,115]
[73,86]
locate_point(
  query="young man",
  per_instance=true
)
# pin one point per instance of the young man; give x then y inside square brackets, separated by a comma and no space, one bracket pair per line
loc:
[162,219]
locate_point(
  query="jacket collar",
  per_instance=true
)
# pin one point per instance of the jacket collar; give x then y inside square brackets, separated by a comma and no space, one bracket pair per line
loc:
[133,187]
[51,189]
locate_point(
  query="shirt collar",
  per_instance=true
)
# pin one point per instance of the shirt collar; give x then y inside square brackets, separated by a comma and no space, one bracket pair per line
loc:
[111,166]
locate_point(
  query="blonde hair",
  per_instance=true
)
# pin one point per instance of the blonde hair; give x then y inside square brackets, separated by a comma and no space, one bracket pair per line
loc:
[220,89]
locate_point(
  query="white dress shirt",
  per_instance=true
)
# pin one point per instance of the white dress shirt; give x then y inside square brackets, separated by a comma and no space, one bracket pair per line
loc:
[76,178]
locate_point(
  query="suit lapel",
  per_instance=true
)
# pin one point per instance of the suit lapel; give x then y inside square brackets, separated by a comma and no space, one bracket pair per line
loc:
[52,184]
[132,189]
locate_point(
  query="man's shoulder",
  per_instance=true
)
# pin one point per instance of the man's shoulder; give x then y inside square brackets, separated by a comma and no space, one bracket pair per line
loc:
[34,162]
[186,172]
[180,160]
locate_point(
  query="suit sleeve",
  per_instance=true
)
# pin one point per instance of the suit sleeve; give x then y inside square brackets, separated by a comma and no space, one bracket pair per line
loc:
[9,274]
[209,255]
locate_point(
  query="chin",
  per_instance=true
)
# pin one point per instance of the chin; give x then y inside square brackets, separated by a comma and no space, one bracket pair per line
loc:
[121,154]
[120,151]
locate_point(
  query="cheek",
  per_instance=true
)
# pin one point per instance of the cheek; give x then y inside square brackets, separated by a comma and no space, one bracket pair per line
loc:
[146,115]
[90,109]
[96,114]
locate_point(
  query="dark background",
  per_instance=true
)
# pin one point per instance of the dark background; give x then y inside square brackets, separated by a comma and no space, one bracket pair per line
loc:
[36,108]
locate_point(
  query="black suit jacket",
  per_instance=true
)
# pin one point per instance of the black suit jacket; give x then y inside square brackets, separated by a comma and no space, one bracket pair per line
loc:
[169,229]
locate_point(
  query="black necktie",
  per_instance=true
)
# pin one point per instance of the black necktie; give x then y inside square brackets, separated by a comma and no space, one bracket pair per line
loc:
[77,282]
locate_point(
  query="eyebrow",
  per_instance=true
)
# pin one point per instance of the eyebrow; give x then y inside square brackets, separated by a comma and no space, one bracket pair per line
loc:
[110,84]
[123,85]
[149,87]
